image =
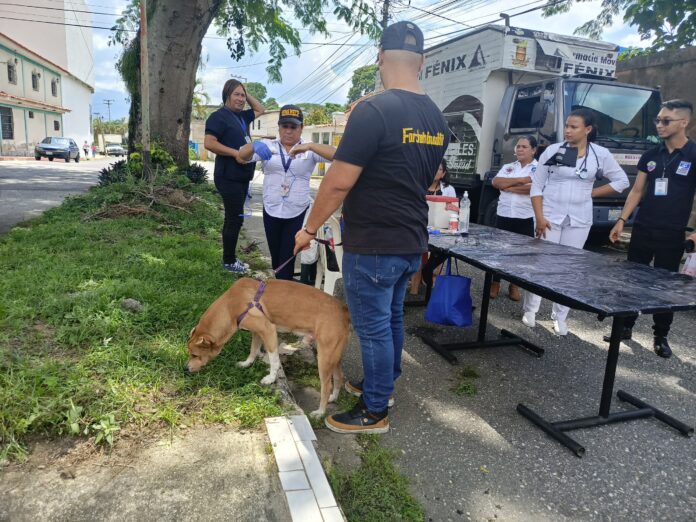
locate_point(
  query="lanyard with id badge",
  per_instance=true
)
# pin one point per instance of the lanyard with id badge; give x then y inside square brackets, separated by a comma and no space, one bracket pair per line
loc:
[245,130]
[661,182]
[285,186]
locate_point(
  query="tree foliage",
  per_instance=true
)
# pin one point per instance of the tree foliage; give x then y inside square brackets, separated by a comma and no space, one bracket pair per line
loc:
[334,107]
[199,102]
[247,25]
[317,116]
[271,104]
[671,24]
[257,90]
[100,126]
[363,82]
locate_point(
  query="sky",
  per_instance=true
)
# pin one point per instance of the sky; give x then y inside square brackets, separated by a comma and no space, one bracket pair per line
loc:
[322,73]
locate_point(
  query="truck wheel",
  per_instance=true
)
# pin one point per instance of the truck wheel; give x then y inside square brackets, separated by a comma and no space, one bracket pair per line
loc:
[489,215]
[77,159]
[67,158]
[37,158]
[50,159]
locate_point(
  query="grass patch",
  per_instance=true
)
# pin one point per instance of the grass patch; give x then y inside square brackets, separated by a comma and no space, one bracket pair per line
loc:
[300,371]
[376,490]
[73,360]
[466,385]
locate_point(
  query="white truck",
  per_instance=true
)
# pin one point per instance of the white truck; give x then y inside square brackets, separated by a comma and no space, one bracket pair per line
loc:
[497,83]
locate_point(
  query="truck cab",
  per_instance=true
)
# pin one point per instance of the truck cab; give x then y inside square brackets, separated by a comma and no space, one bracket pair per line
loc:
[497,83]
[625,115]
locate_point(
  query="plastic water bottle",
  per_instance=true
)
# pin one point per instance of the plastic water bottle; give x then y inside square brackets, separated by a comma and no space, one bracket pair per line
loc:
[464,207]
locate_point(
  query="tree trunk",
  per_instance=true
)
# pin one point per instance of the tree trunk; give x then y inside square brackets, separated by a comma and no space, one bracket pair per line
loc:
[175,37]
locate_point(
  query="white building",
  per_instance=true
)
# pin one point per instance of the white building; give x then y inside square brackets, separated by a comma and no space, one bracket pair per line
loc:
[46,74]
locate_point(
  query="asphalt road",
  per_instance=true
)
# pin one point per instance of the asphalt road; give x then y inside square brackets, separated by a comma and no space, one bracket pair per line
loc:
[475,458]
[28,188]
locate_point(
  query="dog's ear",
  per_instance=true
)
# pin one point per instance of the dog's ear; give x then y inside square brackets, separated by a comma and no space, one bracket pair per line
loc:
[191,333]
[205,342]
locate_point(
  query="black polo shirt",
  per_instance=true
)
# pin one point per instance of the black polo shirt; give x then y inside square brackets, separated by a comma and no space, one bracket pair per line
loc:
[230,128]
[670,212]
[399,138]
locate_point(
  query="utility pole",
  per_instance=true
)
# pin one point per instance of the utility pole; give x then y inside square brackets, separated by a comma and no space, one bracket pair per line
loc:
[108,105]
[145,92]
[385,14]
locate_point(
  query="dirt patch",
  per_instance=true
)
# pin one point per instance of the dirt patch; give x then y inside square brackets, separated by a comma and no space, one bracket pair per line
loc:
[204,473]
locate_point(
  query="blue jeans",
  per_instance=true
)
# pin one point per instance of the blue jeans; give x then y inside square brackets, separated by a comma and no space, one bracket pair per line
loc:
[375,287]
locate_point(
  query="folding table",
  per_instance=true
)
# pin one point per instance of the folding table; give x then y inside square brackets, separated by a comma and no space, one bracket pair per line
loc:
[576,278]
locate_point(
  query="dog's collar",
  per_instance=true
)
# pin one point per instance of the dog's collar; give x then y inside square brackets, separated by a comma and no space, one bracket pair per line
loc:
[254,304]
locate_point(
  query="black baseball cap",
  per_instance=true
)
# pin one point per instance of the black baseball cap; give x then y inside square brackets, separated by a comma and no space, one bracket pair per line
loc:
[402,36]
[290,114]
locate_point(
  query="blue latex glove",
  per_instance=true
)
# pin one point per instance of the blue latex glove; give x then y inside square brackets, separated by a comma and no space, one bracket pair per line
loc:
[262,150]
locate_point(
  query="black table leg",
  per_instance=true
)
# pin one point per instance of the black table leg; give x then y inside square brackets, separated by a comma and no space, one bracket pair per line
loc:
[644,410]
[506,339]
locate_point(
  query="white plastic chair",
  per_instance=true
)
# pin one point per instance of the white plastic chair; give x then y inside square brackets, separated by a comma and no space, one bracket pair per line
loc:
[323,273]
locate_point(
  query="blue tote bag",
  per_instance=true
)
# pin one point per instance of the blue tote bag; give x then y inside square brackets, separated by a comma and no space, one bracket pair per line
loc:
[450,301]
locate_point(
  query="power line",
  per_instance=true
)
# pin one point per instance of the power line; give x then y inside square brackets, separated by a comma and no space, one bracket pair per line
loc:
[311,72]
[264,63]
[490,21]
[108,105]
[431,13]
[59,9]
[135,31]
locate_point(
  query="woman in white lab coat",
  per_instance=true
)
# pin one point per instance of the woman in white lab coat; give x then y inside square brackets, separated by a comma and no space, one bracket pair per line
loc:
[562,197]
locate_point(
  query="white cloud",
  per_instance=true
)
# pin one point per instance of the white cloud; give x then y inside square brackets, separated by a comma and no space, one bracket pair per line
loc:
[100,40]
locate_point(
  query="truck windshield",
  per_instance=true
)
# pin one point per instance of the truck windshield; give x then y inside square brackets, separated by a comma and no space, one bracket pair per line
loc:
[624,114]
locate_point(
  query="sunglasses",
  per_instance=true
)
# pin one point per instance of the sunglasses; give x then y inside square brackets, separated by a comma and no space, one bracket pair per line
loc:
[665,121]
[289,126]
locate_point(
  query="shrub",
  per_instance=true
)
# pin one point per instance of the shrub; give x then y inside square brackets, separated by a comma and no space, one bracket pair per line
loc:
[196,172]
[115,173]
[160,159]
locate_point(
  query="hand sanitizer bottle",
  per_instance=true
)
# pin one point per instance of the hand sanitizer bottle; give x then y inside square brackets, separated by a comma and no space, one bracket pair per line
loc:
[464,207]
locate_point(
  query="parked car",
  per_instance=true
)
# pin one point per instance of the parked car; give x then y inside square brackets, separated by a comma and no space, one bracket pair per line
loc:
[114,149]
[57,147]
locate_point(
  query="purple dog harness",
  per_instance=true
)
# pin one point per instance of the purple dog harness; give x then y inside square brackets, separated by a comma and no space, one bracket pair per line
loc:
[254,304]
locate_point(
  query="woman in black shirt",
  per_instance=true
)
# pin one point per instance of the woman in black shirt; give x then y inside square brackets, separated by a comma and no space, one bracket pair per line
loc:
[226,131]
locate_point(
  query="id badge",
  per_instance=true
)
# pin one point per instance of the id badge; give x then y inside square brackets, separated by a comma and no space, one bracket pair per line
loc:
[247,139]
[284,189]
[661,186]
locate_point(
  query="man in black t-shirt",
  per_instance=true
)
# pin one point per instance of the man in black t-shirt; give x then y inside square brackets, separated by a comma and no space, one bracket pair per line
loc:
[664,188]
[387,158]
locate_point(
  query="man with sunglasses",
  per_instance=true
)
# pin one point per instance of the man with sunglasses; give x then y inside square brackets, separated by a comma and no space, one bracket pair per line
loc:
[387,158]
[664,189]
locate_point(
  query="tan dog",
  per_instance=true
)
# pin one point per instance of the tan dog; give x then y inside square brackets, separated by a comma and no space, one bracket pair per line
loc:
[285,307]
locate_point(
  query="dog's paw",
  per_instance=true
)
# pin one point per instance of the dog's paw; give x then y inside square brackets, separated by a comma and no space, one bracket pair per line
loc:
[317,414]
[244,364]
[268,379]
[334,396]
